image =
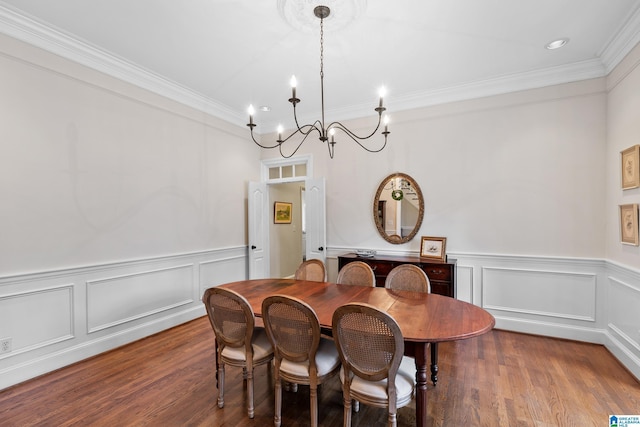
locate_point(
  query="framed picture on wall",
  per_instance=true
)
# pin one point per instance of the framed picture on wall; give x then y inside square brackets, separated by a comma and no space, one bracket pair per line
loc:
[630,167]
[433,248]
[629,224]
[282,213]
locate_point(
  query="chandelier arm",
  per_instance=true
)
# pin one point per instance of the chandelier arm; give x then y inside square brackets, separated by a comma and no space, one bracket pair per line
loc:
[295,117]
[331,147]
[357,139]
[260,145]
[299,130]
[352,134]
[313,126]
[299,145]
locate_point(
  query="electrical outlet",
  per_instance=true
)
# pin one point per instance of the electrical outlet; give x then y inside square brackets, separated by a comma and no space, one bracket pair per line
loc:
[5,345]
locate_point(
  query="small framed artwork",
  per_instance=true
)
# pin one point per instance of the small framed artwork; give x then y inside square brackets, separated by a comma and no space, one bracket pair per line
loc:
[629,224]
[282,213]
[630,167]
[433,248]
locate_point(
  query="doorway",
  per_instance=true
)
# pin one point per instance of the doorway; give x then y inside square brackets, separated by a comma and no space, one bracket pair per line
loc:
[275,249]
[288,238]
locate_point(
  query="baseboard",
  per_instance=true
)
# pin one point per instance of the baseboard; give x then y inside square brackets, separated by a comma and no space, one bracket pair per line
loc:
[38,366]
[555,330]
[622,353]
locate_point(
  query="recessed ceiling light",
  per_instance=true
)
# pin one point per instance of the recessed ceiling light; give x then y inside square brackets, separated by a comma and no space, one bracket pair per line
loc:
[264,108]
[557,44]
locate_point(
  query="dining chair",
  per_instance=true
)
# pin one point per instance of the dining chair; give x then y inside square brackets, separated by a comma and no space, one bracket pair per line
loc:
[301,355]
[239,342]
[408,277]
[374,369]
[312,269]
[356,273]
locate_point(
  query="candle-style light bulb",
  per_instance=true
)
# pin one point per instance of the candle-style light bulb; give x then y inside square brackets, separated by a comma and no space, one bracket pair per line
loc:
[386,123]
[332,132]
[293,83]
[280,133]
[251,112]
[382,92]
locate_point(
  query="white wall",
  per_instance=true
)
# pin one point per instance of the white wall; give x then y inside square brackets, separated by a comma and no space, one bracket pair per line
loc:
[623,279]
[518,174]
[623,131]
[95,170]
[119,207]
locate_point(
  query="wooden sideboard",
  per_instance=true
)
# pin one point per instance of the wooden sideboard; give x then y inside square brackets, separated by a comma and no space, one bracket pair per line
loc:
[442,275]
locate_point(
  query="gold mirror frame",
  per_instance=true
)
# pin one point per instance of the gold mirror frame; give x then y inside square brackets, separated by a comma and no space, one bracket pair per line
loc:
[396,239]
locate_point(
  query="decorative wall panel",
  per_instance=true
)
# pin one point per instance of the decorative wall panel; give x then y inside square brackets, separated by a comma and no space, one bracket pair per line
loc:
[624,312]
[545,293]
[115,300]
[219,271]
[36,318]
[464,283]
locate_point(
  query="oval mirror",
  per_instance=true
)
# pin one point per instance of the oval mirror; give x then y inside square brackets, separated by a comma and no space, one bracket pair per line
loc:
[398,208]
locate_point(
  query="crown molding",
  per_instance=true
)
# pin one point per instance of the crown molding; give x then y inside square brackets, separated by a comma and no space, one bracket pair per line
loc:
[496,86]
[29,30]
[622,42]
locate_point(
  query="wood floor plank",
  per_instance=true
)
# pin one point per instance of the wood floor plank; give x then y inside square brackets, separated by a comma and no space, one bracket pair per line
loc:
[498,379]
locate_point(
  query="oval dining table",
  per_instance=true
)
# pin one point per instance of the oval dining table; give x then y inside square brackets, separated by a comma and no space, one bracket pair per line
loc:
[423,318]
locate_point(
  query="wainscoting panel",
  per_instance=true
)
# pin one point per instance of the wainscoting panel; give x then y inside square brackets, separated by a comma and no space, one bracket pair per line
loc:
[36,318]
[223,270]
[56,318]
[624,309]
[116,300]
[544,293]
[464,283]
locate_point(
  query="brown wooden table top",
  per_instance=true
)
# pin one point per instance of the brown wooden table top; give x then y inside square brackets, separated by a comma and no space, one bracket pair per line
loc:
[421,317]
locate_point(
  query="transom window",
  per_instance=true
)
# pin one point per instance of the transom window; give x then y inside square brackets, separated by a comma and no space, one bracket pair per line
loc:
[287,170]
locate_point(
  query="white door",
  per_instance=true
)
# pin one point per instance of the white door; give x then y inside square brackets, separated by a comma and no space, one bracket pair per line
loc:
[315,213]
[258,224]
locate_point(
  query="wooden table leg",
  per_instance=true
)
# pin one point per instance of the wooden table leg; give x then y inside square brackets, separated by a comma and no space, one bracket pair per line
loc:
[434,363]
[421,383]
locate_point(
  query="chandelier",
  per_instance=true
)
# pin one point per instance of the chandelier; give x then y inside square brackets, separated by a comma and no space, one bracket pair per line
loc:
[326,134]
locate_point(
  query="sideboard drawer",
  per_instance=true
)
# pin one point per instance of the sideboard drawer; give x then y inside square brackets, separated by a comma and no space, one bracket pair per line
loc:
[381,268]
[440,288]
[437,272]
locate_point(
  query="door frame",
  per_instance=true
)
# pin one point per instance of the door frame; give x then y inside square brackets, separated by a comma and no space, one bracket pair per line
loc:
[278,171]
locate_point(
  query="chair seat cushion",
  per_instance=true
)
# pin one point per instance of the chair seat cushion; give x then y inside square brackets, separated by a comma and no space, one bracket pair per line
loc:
[377,390]
[327,360]
[261,347]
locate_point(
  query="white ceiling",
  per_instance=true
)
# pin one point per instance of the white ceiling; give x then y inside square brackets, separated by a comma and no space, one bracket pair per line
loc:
[222,55]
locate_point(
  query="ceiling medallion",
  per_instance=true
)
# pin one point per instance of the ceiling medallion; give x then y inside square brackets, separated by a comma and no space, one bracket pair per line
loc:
[299,13]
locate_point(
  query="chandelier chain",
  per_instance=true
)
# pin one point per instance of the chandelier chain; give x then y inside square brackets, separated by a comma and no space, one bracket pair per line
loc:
[323,133]
[321,48]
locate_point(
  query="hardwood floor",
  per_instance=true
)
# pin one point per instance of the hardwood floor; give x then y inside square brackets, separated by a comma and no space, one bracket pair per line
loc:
[499,379]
